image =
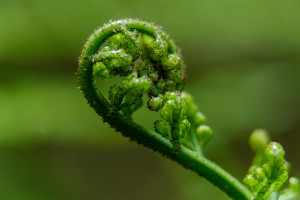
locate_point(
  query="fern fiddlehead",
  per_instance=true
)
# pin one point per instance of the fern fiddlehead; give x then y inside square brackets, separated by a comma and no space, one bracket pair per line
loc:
[151,65]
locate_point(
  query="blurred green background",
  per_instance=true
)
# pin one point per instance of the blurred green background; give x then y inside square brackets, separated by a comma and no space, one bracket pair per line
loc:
[243,61]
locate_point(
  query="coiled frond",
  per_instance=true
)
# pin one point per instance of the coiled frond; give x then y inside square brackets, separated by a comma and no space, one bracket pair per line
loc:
[151,66]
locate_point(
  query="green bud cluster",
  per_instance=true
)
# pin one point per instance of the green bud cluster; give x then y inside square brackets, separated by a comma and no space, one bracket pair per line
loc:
[181,120]
[128,92]
[151,65]
[269,170]
[173,113]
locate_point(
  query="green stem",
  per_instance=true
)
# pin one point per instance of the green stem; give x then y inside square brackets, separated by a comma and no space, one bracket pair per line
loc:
[196,143]
[189,159]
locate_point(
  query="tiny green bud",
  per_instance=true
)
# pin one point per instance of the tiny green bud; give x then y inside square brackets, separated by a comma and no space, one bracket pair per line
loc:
[117,40]
[250,182]
[259,140]
[187,97]
[259,174]
[163,128]
[199,118]
[204,134]
[171,96]
[155,103]
[275,150]
[167,111]
[175,76]
[184,127]
[159,49]
[170,62]
[99,70]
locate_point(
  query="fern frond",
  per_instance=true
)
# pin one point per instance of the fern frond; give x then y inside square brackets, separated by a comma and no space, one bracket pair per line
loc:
[151,65]
[269,170]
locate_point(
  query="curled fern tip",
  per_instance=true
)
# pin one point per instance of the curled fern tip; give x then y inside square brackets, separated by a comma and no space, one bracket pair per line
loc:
[151,71]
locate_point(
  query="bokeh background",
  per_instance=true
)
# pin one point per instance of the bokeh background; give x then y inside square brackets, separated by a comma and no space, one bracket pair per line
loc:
[243,61]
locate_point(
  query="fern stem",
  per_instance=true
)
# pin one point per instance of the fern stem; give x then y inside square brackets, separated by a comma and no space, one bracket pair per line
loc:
[196,142]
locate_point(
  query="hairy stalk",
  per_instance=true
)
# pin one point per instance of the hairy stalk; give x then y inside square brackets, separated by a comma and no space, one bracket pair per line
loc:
[151,65]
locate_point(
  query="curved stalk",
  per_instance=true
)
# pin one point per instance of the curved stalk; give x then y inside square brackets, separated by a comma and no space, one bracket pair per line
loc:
[118,120]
